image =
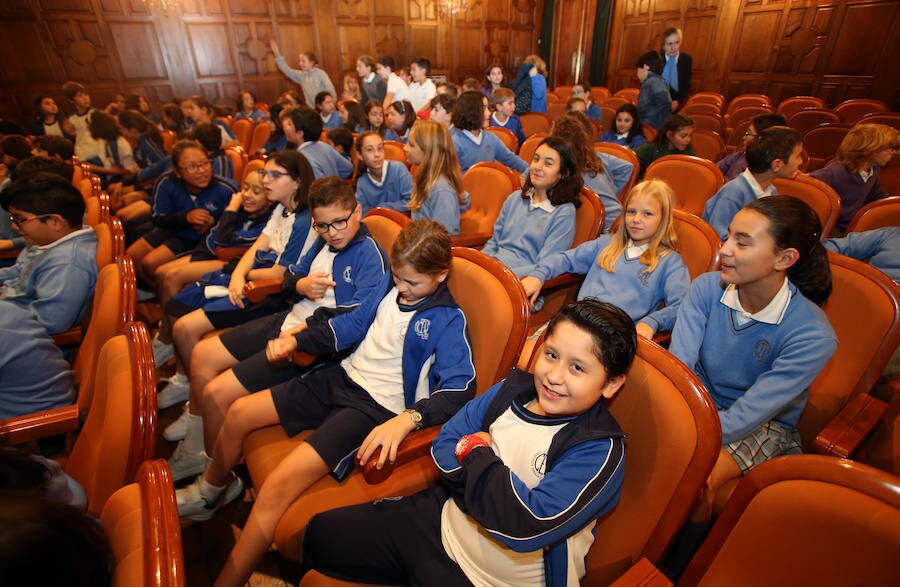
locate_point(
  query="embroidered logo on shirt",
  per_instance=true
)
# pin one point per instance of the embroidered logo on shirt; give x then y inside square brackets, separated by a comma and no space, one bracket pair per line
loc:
[347,277]
[211,206]
[762,349]
[644,278]
[421,328]
[539,464]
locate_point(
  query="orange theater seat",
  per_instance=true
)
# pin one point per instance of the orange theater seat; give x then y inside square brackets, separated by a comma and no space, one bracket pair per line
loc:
[852,110]
[693,179]
[394,151]
[259,137]
[877,214]
[809,118]
[527,148]
[243,131]
[708,144]
[822,143]
[506,136]
[535,122]
[625,154]
[820,196]
[790,106]
[630,94]
[488,184]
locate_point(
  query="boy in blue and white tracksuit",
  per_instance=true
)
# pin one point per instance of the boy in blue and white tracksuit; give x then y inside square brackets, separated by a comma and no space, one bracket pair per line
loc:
[393,191]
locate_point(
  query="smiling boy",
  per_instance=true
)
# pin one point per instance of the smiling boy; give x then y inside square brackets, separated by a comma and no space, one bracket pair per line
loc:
[526,468]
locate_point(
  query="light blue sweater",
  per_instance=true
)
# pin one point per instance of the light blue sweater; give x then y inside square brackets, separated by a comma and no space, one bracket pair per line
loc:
[756,372]
[618,170]
[325,161]
[601,185]
[442,205]
[490,149]
[525,235]
[728,201]
[638,293]
[880,247]
[393,192]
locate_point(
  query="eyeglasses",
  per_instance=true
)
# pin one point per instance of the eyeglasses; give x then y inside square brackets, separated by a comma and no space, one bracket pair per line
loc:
[19,221]
[194,167]
[750,133]
[340,224]
[273,175]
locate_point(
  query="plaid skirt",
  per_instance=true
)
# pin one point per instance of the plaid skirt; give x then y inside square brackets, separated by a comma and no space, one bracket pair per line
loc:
[770,440]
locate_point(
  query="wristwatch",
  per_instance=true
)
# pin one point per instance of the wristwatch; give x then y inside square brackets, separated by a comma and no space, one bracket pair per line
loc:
[415,416]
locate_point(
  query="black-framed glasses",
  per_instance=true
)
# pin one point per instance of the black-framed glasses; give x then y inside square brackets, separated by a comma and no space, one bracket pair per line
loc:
[273,175]
[18,221]
[339,224]
[194,167]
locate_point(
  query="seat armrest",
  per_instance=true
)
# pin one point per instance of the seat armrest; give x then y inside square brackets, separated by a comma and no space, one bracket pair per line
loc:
[259,289]
[302,358]
[10,253]
[226,254]
[68,337]
[850,427]
[471,240]
[39,425]
[562,281]
[643,574]
[663,338]
[416,445]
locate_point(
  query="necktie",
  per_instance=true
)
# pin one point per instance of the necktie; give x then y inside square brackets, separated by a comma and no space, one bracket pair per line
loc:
[670,73]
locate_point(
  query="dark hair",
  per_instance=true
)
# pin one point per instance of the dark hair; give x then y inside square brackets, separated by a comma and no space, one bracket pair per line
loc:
[369,106]
[201,102]
[794,224]
[450,88]
[320,98]
[341,137]
[16,146]
[300,170]
[470,84]
[55,145]
[275,119]
[306,121]
[311,56]
[672,124]
[43,542]
[136,120]
[585,85]
[104,126]
[615,338]
[208,134]
[576,128]
[776,142]
[387,61]
[405,108]
[487,73]
[568,188]
[445,100]
[240,100]
[425,246]
[358,145]
[133,102]
[45,193]
[37,107]
[34,165]
[637,129]
[356,117]
[71,89]
[651,59]
[424,63]
[761,122]
[571,102]
[180,147]
[20,472]
[331,191]
[174,113]
[468,112]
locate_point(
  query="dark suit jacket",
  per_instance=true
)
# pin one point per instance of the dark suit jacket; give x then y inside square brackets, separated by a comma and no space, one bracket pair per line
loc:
[685,66]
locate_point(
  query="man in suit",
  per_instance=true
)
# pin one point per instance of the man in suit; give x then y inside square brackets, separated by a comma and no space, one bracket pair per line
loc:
[677,70]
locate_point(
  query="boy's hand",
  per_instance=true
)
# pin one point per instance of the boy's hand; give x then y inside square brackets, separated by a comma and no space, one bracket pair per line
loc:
[274,47]
[532,287]
[314,285]
[281,347]
[236,290]
[388,436]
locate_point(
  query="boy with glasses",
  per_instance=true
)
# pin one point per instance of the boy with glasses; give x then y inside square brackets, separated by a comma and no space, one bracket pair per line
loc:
[733,165]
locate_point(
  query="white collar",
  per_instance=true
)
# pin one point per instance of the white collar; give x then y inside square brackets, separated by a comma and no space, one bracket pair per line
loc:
[543,204]
[865,174]
[476,140]
[326,117]
[384,174]
[623,135]
[497,120]
[754,185]
[633,251]
[670,58]
[69,236]
[774,311]
[369,77]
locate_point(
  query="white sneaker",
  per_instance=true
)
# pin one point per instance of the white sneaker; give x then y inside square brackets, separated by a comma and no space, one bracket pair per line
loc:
[186,464]
[177,390]
[162,352]
[177,430]
[193,506]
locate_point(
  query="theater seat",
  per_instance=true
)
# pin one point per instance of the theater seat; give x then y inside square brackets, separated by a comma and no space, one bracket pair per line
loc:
[851,111]
[625,154]
[877,214]
[799,520]
[693,179]
[141,522]
[496,313]
[260,136]
[673,440]
[238,158]
[820,196]
[393,150]
[385,225]
[530,145]
[243,131]
[488,184]
[535,122]
[506,136]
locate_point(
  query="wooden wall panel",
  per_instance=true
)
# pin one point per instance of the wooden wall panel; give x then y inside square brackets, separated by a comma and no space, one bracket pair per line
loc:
[835,49]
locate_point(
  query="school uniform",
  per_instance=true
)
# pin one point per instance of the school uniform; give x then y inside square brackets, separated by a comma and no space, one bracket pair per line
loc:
[391,135]
[512,123]
[311,82]
[325,161]
[618,170]
[225,130]
[757,368]
[331,121]
[622,139]
[254,115]
[151,158]
[855,189]
[171,204]
[485,147]
[519,512]
[386,373]
[85,145]
[733,165]
[372,88]
[420,94]
[654,102]
[731,197]
[879,247]
[525,233]
[393,191]
[221,164]
[54,282]
[442,205]
[234,229]
[600,184]
[397,87]
[630,287]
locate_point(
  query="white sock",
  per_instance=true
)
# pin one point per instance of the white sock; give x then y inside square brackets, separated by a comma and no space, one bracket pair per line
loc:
[208,491]
[179,378]
[193,439]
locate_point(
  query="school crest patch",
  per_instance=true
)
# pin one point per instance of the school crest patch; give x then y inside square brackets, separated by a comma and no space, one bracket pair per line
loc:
[762,349]
[422,326]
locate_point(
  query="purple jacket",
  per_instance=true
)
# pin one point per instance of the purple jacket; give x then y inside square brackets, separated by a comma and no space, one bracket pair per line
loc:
[850,187]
